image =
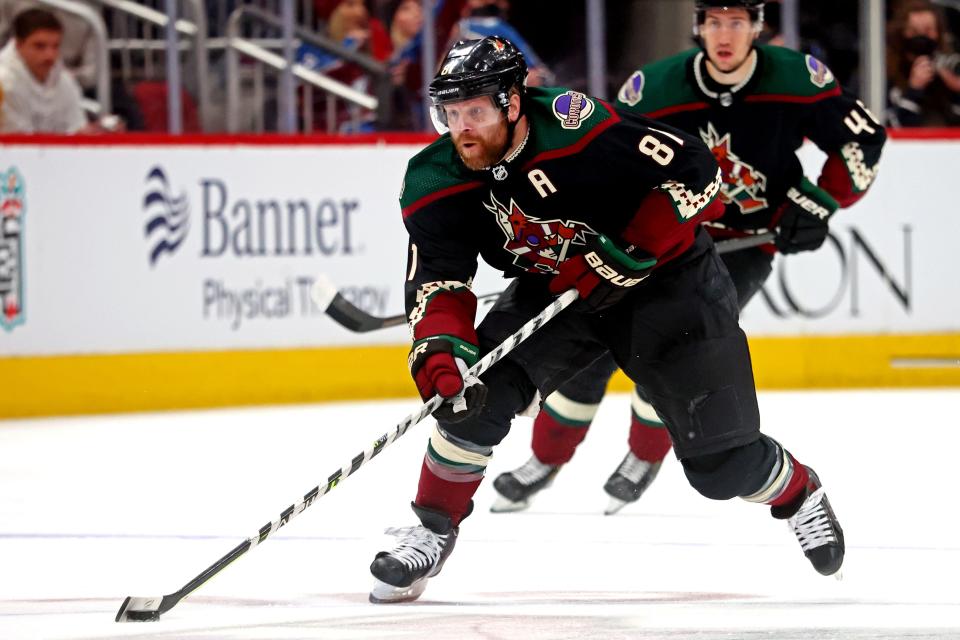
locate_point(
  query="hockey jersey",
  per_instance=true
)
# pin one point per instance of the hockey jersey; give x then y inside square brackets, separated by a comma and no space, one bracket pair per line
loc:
[583,169]
[755,128]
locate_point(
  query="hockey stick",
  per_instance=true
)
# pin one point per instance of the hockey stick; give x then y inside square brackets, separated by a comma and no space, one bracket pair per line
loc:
[142,609]
[352,317]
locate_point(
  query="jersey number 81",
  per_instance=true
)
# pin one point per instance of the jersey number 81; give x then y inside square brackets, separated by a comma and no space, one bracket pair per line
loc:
[658,151]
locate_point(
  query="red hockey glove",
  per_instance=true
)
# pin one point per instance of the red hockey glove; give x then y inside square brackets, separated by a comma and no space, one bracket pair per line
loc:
[802,221]
[437,368]
[603,275]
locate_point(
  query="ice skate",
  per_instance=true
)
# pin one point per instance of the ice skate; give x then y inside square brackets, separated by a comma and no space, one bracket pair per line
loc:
[402,573]
[629,481]
[816,527]
[516,488]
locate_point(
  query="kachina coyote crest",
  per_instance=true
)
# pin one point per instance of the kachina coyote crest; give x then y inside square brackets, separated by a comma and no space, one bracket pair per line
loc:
[742,183]
[539,245]
[12,207]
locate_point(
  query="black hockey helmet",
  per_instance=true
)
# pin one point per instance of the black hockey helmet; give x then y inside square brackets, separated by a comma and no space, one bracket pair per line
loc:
[753,7]
[490,66]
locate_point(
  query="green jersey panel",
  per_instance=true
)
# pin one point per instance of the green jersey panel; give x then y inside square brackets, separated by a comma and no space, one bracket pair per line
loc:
[659,85]
[562,118]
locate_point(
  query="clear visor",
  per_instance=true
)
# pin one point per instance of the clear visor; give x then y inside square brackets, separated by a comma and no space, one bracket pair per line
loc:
[473,114]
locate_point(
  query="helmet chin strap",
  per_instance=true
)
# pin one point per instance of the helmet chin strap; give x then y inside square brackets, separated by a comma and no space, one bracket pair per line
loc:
[511,129]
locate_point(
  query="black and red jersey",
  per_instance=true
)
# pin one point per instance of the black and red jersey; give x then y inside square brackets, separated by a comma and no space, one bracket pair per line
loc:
[755,128]
[584,169]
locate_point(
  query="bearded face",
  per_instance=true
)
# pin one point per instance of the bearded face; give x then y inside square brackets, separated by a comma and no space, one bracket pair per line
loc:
[479,131]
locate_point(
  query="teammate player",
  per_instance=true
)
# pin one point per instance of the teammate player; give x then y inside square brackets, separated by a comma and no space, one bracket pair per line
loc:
[559,190]
[752,105]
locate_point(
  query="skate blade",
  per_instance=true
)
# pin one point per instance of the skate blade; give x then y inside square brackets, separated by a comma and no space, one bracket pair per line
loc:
[505,505]
[838,576]
[383,593]
[614,506]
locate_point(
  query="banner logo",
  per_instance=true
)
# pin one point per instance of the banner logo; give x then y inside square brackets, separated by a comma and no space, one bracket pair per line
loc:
[12,208]
[168,218]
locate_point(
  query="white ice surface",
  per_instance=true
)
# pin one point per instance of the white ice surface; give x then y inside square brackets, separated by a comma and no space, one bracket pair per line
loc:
[96,509]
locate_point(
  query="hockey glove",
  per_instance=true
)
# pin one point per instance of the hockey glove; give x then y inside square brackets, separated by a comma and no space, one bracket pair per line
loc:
[802,221]
[438,368]
[603,275]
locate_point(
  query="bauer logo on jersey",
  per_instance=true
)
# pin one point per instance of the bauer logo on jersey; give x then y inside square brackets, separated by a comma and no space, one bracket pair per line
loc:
[12,206]
[572,108]
[742,183]
[820,75]
[632,90]
[168,217]
[539,245]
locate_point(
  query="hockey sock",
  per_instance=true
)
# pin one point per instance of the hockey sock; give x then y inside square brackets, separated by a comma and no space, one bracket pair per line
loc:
[787,479]
[560,426]
[795,485]
[452,470]
[649,438]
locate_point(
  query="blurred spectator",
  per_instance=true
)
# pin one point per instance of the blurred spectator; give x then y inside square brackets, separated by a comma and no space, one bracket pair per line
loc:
[78,53]
[76,45]
[406,23]
[348,22]
[923,73]
[38,93]
[482,18]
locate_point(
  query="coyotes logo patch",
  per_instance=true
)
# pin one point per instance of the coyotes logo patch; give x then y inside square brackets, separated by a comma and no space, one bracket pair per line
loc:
[820,74]
[572,108]
[632,90]
[539,246]
[742,183]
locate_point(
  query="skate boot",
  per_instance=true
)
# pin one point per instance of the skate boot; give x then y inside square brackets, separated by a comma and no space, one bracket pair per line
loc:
[817,529]
[402,574]
[629,481]
[516,488]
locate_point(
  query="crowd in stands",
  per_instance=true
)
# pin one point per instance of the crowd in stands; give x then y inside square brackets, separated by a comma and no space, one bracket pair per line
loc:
[47,64]
[923,69]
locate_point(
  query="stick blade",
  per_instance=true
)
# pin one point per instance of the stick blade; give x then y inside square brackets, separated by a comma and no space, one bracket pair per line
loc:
[323,291]
[140,609]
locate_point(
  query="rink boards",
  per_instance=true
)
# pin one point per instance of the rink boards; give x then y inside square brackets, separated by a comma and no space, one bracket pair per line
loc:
[139,274]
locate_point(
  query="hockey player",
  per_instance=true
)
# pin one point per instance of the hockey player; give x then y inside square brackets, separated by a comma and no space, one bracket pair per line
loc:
[753,106]
[559,190]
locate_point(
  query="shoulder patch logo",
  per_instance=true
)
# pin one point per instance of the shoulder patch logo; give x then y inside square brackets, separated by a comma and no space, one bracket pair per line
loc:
[820,74]
[632,90]
[572,108]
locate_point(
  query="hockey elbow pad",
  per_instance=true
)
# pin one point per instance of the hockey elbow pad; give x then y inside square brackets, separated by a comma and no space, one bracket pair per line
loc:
[603,275]
[803,220]
[439,365]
